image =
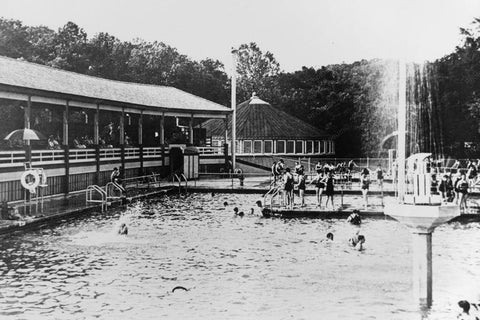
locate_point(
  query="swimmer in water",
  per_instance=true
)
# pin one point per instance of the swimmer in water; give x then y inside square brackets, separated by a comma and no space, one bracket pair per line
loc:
[123,229]
[357,242]
[330,236]
[240,214]
[466,314]
[225,203]
[355,218]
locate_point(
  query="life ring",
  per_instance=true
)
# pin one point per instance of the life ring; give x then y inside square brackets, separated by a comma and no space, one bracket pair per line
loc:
[30,184]
[238,171]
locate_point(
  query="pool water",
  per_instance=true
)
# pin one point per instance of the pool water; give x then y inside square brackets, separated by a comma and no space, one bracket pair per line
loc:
[233,268]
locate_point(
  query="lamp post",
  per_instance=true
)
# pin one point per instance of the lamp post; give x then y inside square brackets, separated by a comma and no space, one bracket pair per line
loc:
[234,108]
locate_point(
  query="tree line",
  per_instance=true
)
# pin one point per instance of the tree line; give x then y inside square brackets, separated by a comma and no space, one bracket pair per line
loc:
[354,102]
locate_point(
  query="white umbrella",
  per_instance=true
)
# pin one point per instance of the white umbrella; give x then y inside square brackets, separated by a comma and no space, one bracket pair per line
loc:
[25,134]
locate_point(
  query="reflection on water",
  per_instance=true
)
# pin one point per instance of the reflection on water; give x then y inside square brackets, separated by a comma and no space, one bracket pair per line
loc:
[234,268]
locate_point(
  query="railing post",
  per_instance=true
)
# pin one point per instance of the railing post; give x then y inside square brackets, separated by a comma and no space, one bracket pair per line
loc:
[140,150]
[97,163]
[225,153]
[66,187]
[122,158]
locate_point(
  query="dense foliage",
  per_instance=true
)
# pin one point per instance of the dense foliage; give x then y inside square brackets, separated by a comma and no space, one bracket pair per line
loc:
[354,102]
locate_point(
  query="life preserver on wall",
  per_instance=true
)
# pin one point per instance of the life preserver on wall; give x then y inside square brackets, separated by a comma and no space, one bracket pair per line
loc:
[238,171]
[30,180]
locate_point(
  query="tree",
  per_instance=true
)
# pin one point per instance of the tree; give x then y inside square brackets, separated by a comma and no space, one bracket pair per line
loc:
[257,72]
[13,39]
[70,47]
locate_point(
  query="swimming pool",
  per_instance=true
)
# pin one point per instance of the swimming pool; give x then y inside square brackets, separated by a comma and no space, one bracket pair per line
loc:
[234,268]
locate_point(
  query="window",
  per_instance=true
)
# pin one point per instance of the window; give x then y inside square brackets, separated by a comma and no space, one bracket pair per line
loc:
[309,147]
[298,146]
[267,145]
[257,146]
[322,147]
[247,146]
[316,145]
[280,146]
[238,146]
[290,146]
[333,146]
[327,147]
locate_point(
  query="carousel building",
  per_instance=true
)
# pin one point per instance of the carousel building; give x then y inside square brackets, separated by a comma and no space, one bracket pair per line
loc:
[263,129]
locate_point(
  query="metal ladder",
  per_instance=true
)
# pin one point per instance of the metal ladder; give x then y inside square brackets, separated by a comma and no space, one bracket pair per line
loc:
[93,189]
[273,194]
[110,191]
[179,179]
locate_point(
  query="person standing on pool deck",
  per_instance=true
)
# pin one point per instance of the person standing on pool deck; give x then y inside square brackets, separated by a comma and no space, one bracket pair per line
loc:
[329,189]
[301,185]
[319,182]
[379,172]
[462,187]
[365,184]
[288,188]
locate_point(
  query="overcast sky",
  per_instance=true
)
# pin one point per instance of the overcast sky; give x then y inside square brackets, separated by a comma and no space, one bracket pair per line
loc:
[299,33]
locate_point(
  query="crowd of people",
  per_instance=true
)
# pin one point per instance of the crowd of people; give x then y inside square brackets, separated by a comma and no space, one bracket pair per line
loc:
[324,181]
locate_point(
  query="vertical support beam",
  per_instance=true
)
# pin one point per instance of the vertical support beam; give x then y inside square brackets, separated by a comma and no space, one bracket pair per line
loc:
[190,128]
[122,127]
[66,187]
[96,130]
[27,115]
[422,268]
[122,142]
[162,139]
[226,130]
[140,141]
[234,108]
[140,128]
[402,119]
[162,129]
[96,138]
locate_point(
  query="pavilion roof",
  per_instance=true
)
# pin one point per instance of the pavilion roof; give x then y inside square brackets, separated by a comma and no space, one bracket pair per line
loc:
[22,74]
[257,119]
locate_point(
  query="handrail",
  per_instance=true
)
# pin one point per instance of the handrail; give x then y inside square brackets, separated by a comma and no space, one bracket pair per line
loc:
[103,194]
[115,186]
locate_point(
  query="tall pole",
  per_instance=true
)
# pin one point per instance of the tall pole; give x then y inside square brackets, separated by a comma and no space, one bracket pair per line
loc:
[402,120]
[234,108]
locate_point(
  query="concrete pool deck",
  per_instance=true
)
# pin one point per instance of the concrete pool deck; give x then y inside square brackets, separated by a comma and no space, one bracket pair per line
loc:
[60,208]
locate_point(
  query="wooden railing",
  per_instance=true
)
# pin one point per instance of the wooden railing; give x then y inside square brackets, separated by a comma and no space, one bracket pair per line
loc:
[81,155]
[152,152]
[132,153]
[48,156]
[12,158]
[210,150]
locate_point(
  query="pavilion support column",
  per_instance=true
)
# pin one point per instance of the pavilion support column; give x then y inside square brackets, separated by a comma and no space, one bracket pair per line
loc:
[140,141]
[28,146]
[225,145]
[162,139]
[122,141]
[66,187]
[190,127]
[27,115]
[96,138]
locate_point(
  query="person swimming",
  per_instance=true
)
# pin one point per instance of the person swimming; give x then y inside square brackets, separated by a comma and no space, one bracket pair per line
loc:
[123,229]
[466,314]
[357,241]
[354,218]
[240,214]
[330,236]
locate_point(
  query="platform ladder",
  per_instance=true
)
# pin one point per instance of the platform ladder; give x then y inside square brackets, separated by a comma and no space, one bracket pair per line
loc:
[179,178]
[272,198]
[110,191]
[95,189]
